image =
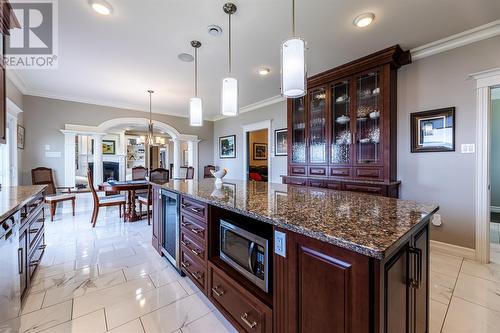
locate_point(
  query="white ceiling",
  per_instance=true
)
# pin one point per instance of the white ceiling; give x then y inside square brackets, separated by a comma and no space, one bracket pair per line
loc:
[113,60]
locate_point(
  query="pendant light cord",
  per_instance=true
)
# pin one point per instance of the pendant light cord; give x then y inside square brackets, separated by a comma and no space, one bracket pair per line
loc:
[229,49]
[150,108]
[195,72]
[293,18]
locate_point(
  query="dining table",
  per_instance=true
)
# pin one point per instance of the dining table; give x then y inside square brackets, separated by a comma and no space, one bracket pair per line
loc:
[131,187]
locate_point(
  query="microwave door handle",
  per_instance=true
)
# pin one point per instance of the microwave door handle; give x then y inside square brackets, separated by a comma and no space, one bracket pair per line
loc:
[251,249]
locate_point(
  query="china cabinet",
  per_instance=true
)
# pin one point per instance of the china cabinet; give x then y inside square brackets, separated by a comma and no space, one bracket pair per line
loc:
[342,134]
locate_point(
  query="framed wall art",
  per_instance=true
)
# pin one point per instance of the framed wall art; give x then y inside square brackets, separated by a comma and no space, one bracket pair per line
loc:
[260,151]
[280,142]
[227,146]
[433,131]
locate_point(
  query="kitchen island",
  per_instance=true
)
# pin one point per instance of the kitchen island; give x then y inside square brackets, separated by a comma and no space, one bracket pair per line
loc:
[338,261]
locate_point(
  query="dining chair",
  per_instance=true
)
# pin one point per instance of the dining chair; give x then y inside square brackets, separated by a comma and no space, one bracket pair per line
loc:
[52,194]
[190,173]
[108,201]
[139,173]
[159,176]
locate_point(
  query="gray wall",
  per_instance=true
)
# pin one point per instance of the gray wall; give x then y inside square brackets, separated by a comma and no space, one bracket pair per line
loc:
[446,179]
[228,126]
[45,117]
[17,98]
[495,152]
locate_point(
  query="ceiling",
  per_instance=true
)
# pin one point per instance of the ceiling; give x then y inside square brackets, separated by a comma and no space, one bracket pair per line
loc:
[113,60]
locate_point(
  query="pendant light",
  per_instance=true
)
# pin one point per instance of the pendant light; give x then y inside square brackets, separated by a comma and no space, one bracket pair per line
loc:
[229,97]
[195,104]
[151,140]
[293,64]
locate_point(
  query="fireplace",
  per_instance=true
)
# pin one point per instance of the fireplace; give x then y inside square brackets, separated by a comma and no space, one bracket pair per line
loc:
[109,170]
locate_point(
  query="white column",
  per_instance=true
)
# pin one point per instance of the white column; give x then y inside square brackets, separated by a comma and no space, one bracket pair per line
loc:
[193,156]
[98,167]
[177,158]
[69,159]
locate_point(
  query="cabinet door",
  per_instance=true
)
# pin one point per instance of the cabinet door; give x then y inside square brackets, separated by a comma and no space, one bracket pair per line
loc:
[298,129]
[318,126]
[341,138]
[156,218]
[368,114]
[23,261]
[397,296]
[421,288]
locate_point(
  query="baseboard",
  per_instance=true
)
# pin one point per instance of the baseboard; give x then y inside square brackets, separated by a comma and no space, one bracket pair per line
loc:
[495,209]
[453,250]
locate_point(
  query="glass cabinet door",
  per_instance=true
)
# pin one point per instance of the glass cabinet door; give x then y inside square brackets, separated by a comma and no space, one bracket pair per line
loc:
[368,124]
[298,131]
[341,124]
[317,123]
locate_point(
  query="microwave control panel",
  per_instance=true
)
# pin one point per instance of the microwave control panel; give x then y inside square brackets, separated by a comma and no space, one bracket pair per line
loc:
[261,263]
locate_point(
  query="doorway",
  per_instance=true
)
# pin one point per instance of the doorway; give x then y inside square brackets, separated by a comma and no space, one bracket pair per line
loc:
[495,175]
[257,155]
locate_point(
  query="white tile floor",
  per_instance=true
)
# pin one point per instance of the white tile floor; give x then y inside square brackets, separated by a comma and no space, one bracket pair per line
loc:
[110,279]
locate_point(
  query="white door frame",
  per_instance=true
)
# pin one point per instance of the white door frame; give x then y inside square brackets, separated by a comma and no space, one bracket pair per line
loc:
[265,124]
[484,81]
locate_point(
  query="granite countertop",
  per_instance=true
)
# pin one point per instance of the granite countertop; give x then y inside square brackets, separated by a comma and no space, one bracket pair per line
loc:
[363,223]
[14,197]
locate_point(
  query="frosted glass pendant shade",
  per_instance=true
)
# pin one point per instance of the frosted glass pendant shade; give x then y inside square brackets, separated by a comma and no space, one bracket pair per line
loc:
[195,111]
[293,68]
[229,98]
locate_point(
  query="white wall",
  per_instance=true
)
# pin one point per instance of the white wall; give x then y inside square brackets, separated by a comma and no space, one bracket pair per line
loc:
[228,126]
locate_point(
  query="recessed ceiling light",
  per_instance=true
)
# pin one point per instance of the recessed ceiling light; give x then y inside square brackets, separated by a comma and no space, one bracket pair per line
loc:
[101,6]
[364,20]
[263,71]
[214,30]
[186,57]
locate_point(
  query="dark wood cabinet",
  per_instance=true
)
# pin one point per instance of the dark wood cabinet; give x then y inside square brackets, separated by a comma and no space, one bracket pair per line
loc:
[344,128]
[157,214]
[22,260]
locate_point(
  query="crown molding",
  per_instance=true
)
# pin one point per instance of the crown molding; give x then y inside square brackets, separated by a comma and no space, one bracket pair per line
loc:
[255,106]
[17,81]
[477,34]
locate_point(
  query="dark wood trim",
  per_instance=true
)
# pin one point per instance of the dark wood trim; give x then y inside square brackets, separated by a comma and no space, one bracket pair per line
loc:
[449,112]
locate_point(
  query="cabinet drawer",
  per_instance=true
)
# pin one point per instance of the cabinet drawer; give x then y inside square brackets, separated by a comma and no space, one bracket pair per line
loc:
[36,255]
[333,185]
[194,227]
[249,313]
[191,245]
[340,172]
[193,269]
[298,170]
[368,173]
[316,182]
[296,181]
[194,207]
[35,227]
[370,189]
[317,171]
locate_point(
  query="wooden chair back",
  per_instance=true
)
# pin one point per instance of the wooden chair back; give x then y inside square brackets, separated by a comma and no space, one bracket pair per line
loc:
[190,173]
[139,173]
[159,175]
[206,171]
[90,180]
[44,176]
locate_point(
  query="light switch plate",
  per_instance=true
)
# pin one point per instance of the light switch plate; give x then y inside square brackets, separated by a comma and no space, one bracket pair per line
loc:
[280,243]
[468,148]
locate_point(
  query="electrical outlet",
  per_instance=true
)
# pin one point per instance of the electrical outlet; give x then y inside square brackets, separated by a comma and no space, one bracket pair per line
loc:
[436,220]
[468,148]
[280,243]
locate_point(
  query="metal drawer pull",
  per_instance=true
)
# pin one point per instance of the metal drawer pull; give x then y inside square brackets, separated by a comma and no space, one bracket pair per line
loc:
[20,260]
[24,214]
[41,219]
[245,320]
[197,252]
[196,210]
[184,224]
[34,231]
[185,264]
[197,231]
[42,247]
[184,243]
[217,292]
[34,263]
[197,275]
[184,205]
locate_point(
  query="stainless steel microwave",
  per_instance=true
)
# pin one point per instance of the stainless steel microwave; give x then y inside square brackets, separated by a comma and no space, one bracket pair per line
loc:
[246,252]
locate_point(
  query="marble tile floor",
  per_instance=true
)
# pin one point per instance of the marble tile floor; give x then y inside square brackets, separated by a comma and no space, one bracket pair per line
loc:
[109,279]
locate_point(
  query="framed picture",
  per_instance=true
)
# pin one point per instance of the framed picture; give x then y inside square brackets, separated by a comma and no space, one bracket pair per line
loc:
[280,142]
[108,147]
[227,146]
[260,151]
[433,131]
[20,137]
